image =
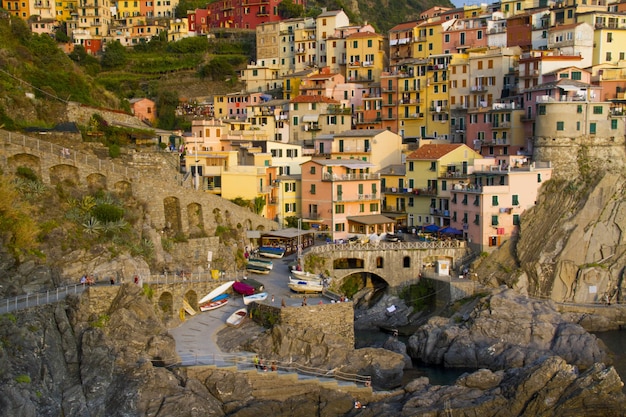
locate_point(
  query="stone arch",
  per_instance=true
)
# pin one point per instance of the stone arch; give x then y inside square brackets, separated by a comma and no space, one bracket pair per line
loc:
[260,228]
[166,303]
[195,220]
[123,188]
[171,210]
[64,174]
[96,181]
[362,279]
[348,263]
[192,298]
[406,262]
[25,160]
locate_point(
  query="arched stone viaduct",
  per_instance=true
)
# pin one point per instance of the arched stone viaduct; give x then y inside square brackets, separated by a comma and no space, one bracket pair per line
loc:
[170,205]
[397,263]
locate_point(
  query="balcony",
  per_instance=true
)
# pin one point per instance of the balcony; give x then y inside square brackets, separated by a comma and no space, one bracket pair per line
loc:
[392,209]
[397,190]
[313,215]
[334,109]
[478,89]
[501,125]
[356,197]
[349,177]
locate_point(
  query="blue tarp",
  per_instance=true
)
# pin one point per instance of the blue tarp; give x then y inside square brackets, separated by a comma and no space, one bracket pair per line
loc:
[431,228]
[450,231]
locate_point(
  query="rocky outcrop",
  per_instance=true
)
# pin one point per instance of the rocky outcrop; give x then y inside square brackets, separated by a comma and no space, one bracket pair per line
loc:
[547,387]
[504,330]
[571,246]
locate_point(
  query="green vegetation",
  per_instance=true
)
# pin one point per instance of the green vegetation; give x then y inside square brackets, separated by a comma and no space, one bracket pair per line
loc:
[22,379]
[148,291]
[10,317]
[18,229]
[101,321]
[420,296]
[351,285]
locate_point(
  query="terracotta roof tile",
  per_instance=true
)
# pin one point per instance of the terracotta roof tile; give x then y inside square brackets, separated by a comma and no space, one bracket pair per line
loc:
[433,151]
[313,99]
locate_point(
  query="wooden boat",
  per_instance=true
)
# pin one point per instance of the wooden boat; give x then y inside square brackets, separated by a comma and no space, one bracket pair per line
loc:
[261,262]
[255,269]
[218,291]
[188,308]
[237,317]
[306,276]
[302,286]
[243,288]
[271,252]
[247,299]
[219,301]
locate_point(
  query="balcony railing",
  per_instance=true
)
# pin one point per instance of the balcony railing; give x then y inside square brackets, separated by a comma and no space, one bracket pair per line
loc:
[350,177]
[356,197]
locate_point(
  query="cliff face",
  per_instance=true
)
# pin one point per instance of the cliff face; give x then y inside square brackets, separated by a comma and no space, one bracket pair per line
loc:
[572,245]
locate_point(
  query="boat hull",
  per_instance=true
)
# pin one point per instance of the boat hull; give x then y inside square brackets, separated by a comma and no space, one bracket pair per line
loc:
[271,252]
[261,263]
[257,270]
[301,286]
[218,291]
[254,297]
[212,305]
[237,317]
[243,288]
[306,276]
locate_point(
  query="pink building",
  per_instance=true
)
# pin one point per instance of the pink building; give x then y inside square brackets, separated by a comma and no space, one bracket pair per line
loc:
[341,197]
[464,34]
[144,109]
[489,207]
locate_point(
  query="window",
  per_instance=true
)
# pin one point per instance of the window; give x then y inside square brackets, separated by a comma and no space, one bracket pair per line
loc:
[515,200]
[490,63]
[373,207]
[560,125]
[312,170]
[340,227]
[411,166]
[446,38]
[444,185]
[476,200]
[542,109]
[477,219]
[579,108]
[411,202]
[597,109]
[592,128]
[578,125]
[361,208]
[339,209]
[494,220]
[380,262]
[609,37]
[613,124]
[516,220]
[433,165]
[494,200]
[369,43]
[576,75]
[538,177]
[312,189]
[406,262]
[464,202]
[295,121]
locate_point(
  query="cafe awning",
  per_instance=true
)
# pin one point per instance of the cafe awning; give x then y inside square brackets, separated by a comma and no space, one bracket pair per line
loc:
[370,219]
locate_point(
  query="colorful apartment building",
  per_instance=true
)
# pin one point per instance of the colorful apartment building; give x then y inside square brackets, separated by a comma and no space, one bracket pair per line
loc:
[487,207]
[341,197]
[365,55]
[317,115]
[431,172]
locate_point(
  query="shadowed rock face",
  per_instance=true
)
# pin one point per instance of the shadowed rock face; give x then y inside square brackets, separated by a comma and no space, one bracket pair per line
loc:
[61,360]
[504,330]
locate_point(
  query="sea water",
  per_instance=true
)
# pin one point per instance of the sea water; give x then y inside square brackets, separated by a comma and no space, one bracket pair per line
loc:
[615,341]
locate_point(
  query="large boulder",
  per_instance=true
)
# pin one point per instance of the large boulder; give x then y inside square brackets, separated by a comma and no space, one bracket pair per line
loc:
[504,330]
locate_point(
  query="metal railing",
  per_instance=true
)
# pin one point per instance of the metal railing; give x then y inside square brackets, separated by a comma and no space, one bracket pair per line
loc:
[443,244]
[23,301]
[247,362]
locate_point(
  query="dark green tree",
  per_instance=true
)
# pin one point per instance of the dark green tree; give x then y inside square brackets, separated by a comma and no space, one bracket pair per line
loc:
[167,101]
[287,9]
[218,69]
[114,56]
[61,33]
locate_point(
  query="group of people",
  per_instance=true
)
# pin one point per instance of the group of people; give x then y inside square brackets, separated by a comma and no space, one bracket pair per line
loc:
[87,280]
[262,366]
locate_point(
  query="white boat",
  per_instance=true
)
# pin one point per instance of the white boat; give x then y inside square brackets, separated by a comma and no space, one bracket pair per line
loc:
[218,291]
[302,286]
[237,317]
[306,276]
[261,263]
[256,269]
[271,252]
[219,301]
[247,299]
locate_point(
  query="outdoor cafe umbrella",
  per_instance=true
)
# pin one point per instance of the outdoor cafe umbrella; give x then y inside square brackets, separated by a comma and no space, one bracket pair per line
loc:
[450,231]
[431,228]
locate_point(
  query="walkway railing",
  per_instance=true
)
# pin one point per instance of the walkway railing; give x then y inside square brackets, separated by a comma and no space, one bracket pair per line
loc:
[442,244]
[33,300]
[65,154]
[246,361]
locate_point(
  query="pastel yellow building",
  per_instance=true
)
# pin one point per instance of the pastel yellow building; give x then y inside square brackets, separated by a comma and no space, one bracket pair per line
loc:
[128,9]
[365,56]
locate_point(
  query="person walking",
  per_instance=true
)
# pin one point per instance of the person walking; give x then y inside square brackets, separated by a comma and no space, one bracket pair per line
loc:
[304,301]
